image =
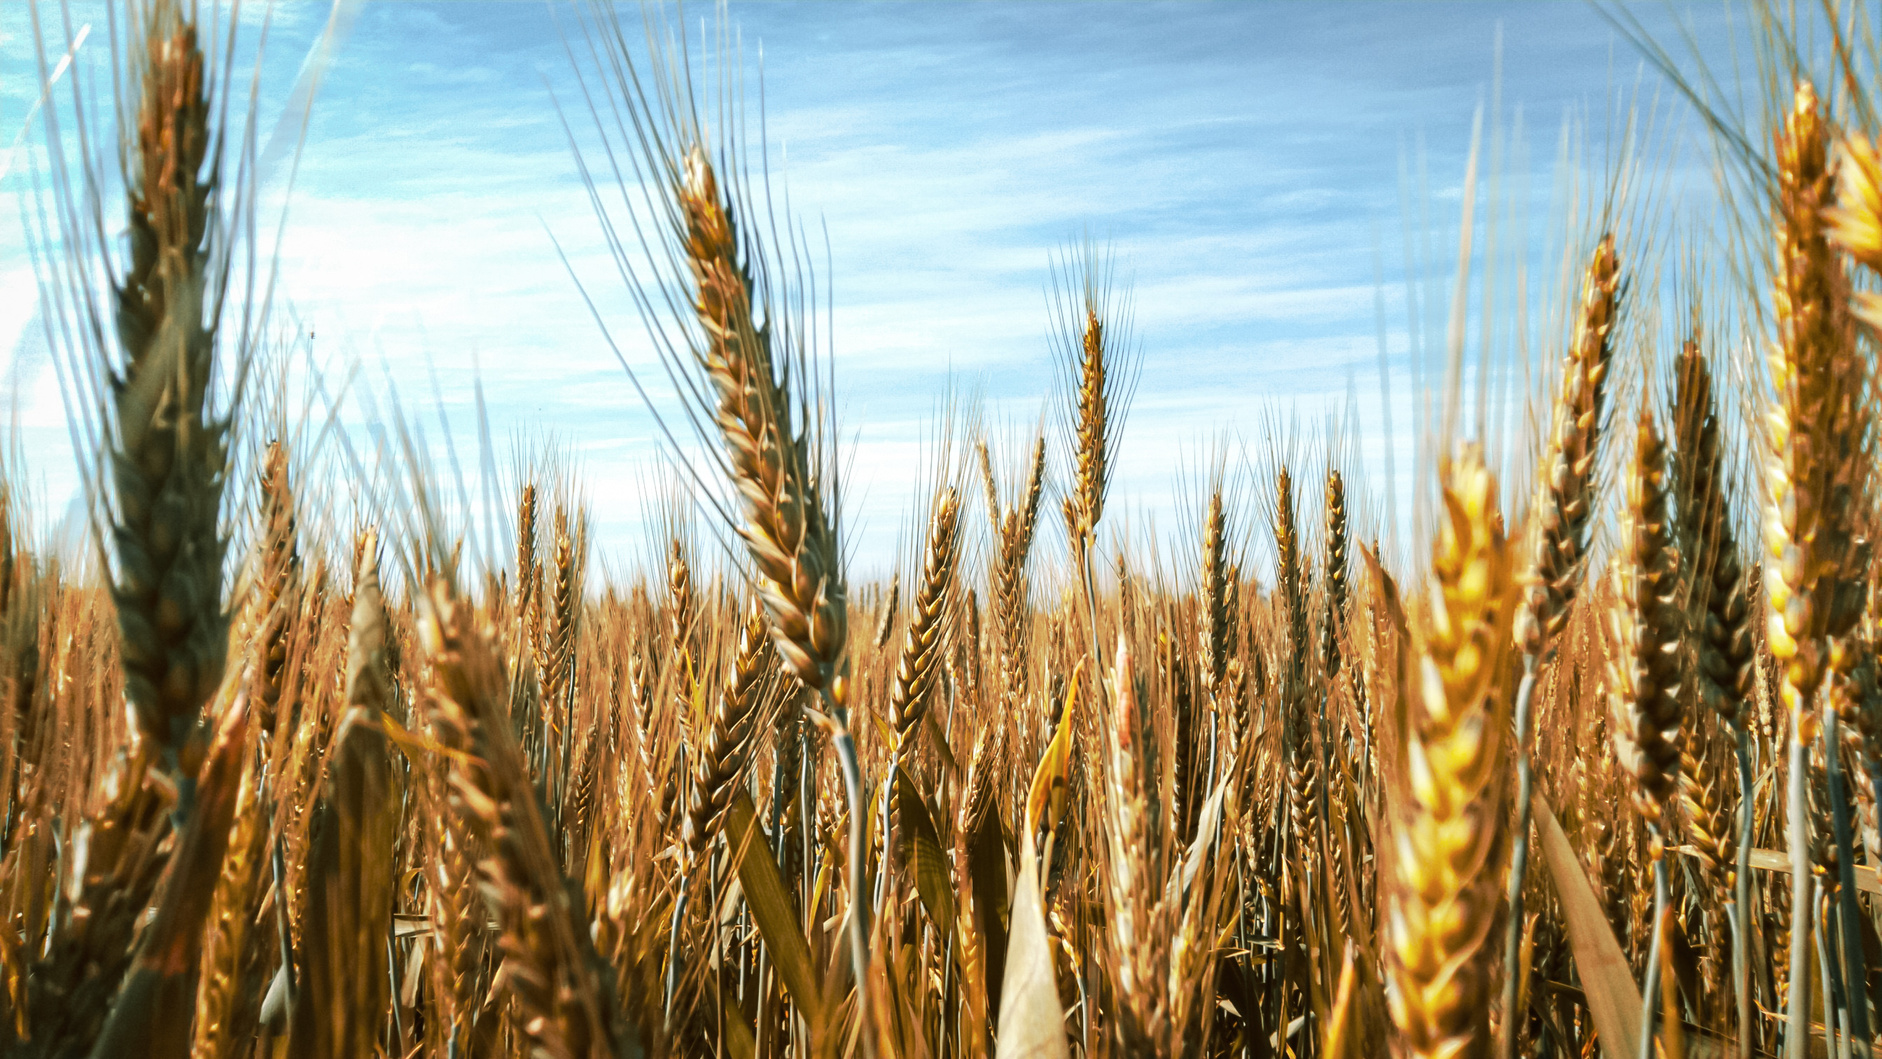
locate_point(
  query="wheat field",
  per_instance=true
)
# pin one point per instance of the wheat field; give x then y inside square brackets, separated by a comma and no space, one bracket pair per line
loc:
[1585,762]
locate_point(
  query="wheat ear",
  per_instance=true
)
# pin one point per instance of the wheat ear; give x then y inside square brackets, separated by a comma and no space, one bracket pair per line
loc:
[351,875]
[550,969]
[1562,511]
[1647,628]
[1720,606]
[1814,476]
[723,748]
[167,455]
[1296,724]
[788,528]
[1335,577]
[280,566]
[1444,881]
[1013,530]
[925,641]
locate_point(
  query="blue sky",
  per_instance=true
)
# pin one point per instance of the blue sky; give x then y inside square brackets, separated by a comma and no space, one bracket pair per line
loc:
[1247,162]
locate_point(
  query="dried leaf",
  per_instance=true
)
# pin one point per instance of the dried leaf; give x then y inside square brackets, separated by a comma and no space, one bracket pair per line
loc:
[1032,1024]
[921,849]
[771,907]
[1613,998]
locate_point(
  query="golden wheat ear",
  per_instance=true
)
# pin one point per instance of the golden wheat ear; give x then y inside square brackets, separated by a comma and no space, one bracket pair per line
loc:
[563,990]
[1818,448]
[166,451]
[1447,868]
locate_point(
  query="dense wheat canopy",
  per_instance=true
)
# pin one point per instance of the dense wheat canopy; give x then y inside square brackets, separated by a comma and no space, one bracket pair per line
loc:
[320,742]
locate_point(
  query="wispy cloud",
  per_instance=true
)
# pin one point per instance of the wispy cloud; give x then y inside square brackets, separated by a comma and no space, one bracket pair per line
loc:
[1240,159]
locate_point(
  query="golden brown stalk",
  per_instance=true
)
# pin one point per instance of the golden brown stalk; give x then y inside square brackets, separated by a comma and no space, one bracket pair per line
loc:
[720,757]
[926,641]
[885,626]
[1817,452]
[1720,612]
[1012,541]
[167,457]
[1646,625]
[788,529]
[1565,503]
[1558,525]
[351,877]
[550,970]
[151,1014]
[280,565]
[1296,730]
[1447,870]
[1335,619]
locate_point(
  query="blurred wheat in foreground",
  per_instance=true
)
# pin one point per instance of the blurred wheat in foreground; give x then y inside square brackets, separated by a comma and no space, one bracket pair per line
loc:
[1594,774]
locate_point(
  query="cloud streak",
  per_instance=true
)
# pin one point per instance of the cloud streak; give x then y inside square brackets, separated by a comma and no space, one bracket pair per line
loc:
[1241,159]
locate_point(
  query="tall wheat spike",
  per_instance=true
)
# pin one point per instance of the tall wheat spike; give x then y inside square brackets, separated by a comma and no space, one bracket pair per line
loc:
[788,524]
[723,747]
[1815,475]
[926,641]
[550,969]
[1447,864]
[1558,526]
[351,873]
[1647,628]
[1722,617]
[167,455]
[280,565]
[1013,530]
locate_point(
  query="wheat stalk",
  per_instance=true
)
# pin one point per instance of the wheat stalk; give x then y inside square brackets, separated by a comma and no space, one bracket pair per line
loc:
[549,968]
[1567,492]
[925,642]
[1647,629]
[1441,903]
[1013,530]
[1815,475]
[167,455]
